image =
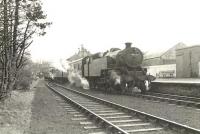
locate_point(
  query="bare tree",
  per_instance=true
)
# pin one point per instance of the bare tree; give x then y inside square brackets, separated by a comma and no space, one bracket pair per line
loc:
[21,19]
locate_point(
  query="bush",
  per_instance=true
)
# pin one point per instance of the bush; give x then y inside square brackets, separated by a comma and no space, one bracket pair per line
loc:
[24,79]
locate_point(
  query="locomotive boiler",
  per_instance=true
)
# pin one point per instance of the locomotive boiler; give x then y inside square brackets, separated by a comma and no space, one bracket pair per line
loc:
[116,70]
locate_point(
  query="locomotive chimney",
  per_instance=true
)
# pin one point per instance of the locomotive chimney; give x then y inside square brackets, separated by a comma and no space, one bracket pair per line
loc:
[128,44]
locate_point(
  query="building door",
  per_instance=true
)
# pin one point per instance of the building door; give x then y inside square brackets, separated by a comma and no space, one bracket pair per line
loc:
[199,69]
[179,66]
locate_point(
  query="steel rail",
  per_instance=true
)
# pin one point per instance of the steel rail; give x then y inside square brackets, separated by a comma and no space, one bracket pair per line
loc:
[111,127]
[164,122]
[195,99]
[168,99]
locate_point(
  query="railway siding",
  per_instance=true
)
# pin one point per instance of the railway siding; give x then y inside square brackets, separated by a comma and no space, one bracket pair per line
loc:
[172,99]
[108,120]
[144,116]
[184,115]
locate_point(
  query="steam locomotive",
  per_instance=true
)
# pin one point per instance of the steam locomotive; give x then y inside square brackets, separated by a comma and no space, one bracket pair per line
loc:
[118,70]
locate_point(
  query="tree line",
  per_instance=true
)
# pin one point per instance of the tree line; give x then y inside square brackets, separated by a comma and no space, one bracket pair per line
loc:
[20,20]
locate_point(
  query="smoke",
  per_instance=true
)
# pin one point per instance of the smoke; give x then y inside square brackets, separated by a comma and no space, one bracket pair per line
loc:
[114,76]
[76,79]
[74,76]
[64,66]
[51,75]
[147,85]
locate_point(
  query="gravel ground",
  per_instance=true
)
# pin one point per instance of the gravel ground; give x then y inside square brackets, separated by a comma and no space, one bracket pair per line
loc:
[184,115]
[50,118]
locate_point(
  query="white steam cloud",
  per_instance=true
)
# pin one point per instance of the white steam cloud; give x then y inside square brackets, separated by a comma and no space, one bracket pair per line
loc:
[74,76]
[51,75]
[114,76]
[147,85]
[76,79]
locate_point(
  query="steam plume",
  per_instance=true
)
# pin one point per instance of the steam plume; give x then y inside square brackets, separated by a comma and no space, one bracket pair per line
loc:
[74,76]
[115,77]
[76,79]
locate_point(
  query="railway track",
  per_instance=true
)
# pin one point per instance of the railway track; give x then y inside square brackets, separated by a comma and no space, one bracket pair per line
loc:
[188,101]
[114,118]
[176,99]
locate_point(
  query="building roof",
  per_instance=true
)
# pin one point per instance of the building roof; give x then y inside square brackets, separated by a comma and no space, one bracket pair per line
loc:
[151,55]
[188,47]
[74,57]
[81,54]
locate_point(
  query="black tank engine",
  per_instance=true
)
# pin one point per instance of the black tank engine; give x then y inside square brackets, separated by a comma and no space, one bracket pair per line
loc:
[116,70]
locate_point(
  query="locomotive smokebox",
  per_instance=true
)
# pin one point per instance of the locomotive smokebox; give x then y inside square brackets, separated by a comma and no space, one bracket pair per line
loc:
[128,44]
[130,57]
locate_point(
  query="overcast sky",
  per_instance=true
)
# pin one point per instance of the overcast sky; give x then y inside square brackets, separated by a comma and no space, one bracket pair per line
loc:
[152,25]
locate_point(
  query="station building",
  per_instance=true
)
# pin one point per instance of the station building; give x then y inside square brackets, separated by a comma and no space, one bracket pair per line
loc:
[188,62]
[75,60]
[162,64]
